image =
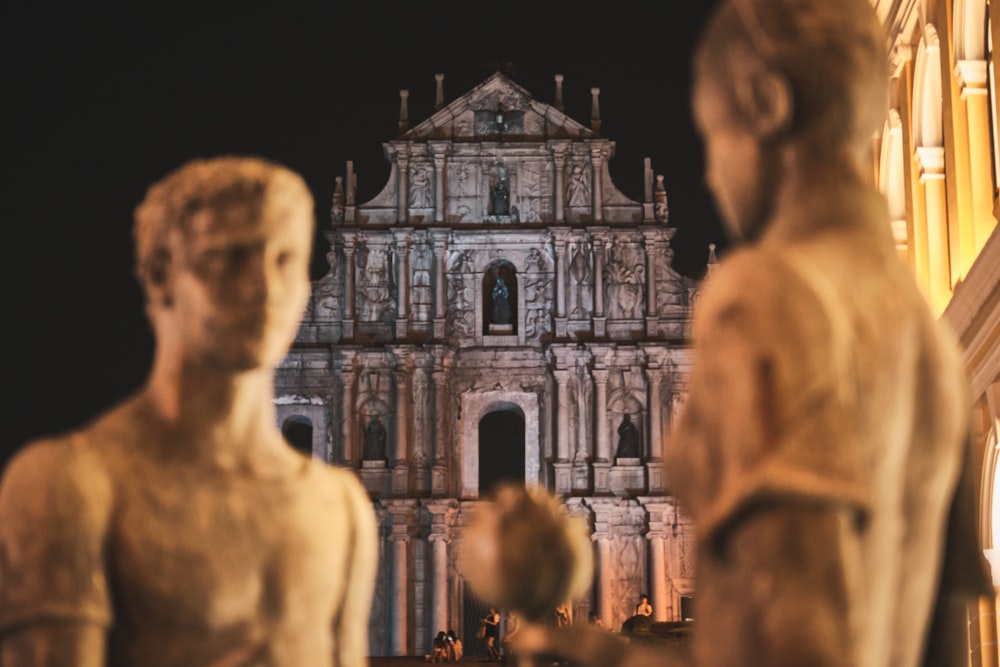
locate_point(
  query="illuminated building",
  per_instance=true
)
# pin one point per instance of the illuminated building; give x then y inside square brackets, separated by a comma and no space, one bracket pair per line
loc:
[938,163]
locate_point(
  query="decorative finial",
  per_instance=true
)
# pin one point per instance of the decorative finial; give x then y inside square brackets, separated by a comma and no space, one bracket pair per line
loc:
[712,260]
[660,210]
[404,121]
[559,96]
[337,211]
[439,94]
[595,109]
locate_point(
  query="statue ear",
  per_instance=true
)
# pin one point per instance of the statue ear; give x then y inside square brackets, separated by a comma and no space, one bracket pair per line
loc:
[158,277]
[766,99]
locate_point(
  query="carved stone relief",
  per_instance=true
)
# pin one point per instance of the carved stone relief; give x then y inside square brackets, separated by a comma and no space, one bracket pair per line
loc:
[625,277]
[582,280]
[329,290]
[376,287]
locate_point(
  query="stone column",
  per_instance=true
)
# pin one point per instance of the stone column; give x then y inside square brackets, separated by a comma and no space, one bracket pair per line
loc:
[562,405]
[596,162]
[658,575]
[559,167]
[402,249]
[440,276]
[439,582]
[972,76]
[400,599]
[652,245]
[599,254]
[605,599]
[402,188]
[439,164]
[654,465]
[400,469]
[559,245]
[347,378]
[931,167]
[350,291]
[603,453]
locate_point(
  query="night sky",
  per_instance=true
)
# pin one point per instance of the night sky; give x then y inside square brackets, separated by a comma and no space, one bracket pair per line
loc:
[103,99]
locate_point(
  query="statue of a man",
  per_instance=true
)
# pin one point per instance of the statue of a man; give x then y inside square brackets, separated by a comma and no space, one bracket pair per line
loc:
[179,528]
[375,440]
[501,304]
[501,198]
[823,450]
[628,439]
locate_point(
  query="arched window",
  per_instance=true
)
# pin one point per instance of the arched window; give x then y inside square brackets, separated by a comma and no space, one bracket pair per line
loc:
[298,431]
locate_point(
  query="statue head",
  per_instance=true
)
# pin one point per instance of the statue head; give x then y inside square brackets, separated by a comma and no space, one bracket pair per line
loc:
[223,247]
[772,73]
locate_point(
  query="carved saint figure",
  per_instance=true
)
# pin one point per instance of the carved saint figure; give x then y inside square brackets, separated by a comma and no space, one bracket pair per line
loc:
[179,528]
[420,188]
[577,189]
[628,439]
[501,306]
[374,440]
[500,198]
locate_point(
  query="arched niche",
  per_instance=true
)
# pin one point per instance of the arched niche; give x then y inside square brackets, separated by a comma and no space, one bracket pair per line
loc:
[475,406]
[500,299]
[892,183]
[298,432]
[295,412]
[928,129]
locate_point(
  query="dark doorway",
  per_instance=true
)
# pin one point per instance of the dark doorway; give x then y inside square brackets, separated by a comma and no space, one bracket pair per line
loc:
[298,431]
[501,449]
[473,611]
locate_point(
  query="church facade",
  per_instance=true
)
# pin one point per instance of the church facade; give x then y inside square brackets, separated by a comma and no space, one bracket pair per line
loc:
[499,312]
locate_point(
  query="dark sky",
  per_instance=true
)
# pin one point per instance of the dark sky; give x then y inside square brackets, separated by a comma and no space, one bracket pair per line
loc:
[103,99]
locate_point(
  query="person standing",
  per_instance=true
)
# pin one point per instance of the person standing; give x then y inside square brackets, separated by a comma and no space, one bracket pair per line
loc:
[492,624]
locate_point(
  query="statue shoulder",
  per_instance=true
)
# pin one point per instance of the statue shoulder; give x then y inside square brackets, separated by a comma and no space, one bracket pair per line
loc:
[64,474]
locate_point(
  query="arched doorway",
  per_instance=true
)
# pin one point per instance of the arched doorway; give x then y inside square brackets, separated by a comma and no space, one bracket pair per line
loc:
[298,431]
[501,449]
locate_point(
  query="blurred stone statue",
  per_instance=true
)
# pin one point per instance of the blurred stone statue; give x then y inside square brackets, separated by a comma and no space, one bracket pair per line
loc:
[500,198]
[179,528]
[823,453]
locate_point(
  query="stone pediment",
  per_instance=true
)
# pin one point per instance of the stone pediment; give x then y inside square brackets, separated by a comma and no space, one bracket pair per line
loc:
[498,108]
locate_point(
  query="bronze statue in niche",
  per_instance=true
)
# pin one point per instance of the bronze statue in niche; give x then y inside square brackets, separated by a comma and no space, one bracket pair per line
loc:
[500,299]
[179,528]
[823,450]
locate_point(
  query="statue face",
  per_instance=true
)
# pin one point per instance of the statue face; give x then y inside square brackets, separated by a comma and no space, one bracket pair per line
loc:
[737,163]
[241,283]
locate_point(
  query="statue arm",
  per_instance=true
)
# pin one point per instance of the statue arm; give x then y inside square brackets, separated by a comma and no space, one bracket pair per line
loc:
[351,622]
[55,506]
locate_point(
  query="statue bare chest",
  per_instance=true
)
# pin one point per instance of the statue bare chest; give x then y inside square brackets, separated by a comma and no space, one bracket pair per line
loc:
[223,553]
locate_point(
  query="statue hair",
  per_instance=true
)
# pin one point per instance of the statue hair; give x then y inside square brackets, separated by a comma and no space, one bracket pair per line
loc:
[213,184]
[832,54]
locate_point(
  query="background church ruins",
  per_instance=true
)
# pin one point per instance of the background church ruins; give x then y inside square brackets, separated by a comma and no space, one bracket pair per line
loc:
[500,311]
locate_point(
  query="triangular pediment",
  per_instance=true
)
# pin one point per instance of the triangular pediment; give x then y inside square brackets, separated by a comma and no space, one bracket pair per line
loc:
[498,108]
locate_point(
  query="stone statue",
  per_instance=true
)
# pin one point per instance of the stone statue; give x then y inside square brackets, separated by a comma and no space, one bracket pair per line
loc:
[823,451]
[374,440]
[501,198]
[179,528]
[628,439]
[501,306]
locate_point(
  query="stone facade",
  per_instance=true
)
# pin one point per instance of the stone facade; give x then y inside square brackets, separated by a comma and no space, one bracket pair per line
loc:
[499,311]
